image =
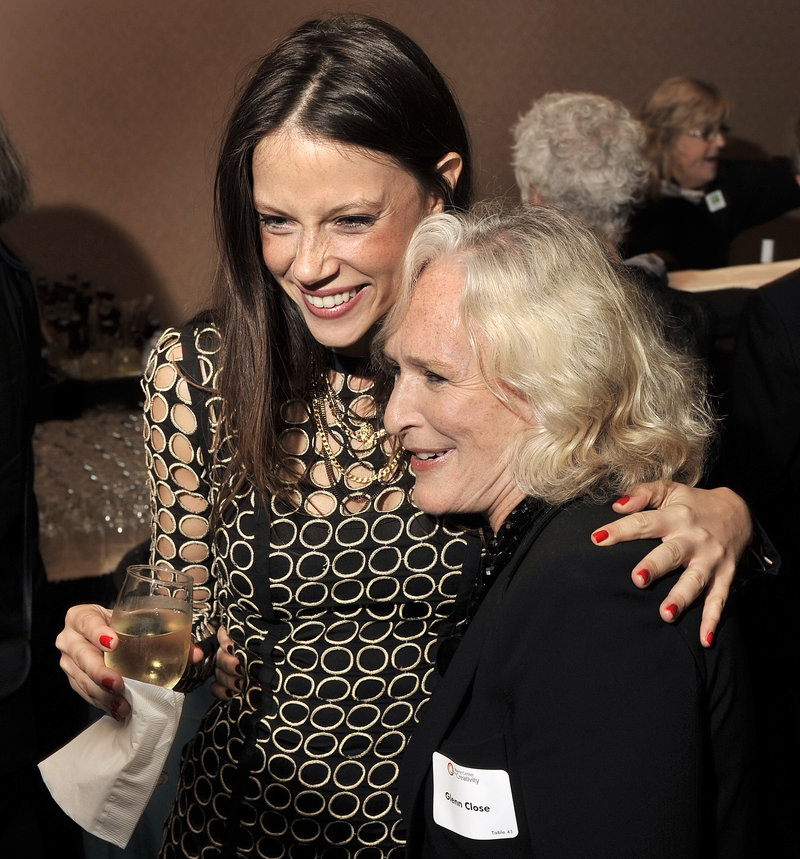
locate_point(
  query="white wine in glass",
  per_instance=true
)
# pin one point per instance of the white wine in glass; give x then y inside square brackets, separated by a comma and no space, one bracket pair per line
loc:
[153,621]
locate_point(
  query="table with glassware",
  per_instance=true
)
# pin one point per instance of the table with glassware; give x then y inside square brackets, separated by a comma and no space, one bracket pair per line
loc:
[91,488]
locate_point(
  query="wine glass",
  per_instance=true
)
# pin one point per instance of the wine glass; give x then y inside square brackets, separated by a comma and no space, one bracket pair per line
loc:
[153,620]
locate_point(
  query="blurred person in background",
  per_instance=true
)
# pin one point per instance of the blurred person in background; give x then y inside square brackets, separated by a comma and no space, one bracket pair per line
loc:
[764,454]
[764,442]
[698,201]
[30,824]
[584,154]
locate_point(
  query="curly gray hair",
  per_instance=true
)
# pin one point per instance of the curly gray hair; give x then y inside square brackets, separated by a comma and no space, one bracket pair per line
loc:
[584,153]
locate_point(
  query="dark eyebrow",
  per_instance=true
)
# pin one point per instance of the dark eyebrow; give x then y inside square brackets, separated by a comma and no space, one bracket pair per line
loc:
[357,204]
[360,203]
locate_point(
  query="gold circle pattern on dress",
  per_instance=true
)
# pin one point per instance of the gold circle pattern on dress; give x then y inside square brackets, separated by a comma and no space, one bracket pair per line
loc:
[336,640]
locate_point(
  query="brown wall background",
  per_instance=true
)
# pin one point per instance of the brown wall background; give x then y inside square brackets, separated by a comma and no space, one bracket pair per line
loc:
[118,106]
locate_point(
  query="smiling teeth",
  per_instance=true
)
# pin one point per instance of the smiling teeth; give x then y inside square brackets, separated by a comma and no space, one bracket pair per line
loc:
[328,301]
[427,455]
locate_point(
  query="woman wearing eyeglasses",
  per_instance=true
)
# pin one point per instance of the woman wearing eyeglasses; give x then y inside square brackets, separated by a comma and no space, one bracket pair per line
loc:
[698,201]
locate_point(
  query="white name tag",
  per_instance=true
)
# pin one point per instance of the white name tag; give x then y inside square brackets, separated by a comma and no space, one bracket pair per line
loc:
[471,802]
[715,200]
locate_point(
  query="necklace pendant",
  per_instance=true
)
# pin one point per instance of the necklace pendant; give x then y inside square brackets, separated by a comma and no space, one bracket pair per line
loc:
[365,434]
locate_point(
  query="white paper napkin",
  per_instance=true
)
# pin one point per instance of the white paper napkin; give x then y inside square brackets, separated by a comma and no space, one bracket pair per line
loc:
[103,779]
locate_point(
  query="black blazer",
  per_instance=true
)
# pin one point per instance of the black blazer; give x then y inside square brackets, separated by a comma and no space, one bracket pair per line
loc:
[765,412]
[764,430]
[621,735]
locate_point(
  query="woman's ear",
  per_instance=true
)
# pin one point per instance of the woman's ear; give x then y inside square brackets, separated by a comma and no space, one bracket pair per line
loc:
[450,168]
[535,198]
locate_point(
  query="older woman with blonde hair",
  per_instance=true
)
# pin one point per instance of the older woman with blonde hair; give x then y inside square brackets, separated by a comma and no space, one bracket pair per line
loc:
[530,387]
[698,201]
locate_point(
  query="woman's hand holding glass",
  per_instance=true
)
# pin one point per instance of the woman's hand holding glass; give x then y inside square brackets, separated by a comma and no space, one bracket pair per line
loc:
[87,636]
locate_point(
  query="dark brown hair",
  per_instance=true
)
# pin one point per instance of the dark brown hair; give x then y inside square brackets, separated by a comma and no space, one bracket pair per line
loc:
[353,79]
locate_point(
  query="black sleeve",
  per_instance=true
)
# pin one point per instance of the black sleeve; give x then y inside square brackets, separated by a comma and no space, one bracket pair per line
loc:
[765,409]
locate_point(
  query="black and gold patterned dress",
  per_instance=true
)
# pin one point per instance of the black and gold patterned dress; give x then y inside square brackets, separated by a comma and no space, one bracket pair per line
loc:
[332,597]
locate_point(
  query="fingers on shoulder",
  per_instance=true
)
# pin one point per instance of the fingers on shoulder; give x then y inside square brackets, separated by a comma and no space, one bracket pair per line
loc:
[641,525]
[687,589]
[712,614]
[663,559]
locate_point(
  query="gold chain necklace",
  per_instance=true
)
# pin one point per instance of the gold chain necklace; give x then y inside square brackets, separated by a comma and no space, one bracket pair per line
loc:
[363,433]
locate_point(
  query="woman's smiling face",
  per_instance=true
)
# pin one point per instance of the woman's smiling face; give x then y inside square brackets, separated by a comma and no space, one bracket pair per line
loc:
[335,224]
[695,160]
[460,433]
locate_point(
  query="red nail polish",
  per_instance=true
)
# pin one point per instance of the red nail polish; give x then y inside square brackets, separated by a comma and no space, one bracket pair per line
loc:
[229,648]
[106,640]
[114,711]
[600,535]
[109,684]
[709,638]
[624,500]
[239,684]
[229,693]
[644,576]
[671,610]
[238,668]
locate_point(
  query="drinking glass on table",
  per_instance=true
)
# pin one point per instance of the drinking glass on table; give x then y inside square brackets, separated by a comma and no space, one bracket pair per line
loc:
[153,619]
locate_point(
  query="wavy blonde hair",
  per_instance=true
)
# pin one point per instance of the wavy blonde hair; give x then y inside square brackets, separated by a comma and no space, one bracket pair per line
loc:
[678,104]
[550,316]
